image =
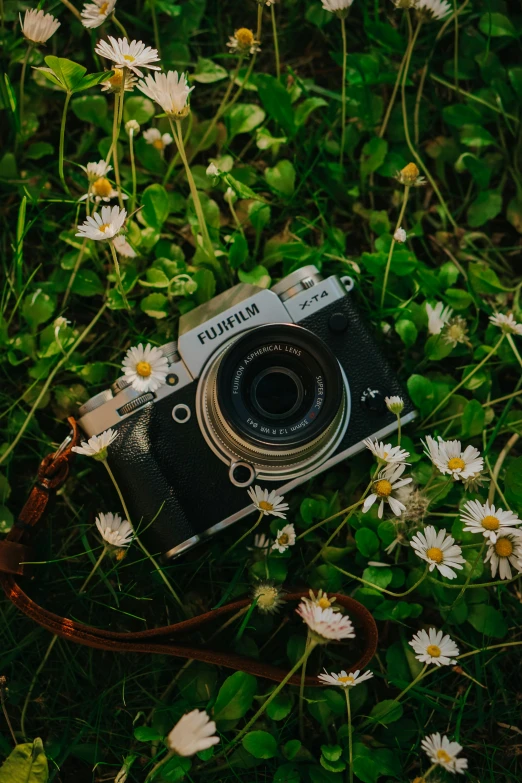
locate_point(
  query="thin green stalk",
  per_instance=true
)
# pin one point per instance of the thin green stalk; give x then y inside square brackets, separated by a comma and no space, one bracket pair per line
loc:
[95,568]
[514,348]
[350,738]
[22,85]
[343,90]
[4,708]
[382,589]
[464,380]
[142,546]
[301,693]
[468,579]
[118,273]
[62,143]
[152,4]
[119,26]
[390,253]
[178,138]
[72,9]
[398,429]
[260,7]
[133,172]
[475,98]
[48,382]
[429,771]
[33,683]
[19,253]
[393,96]
[250,530]
[422,674]
[491,647]
[276,41]
[158,766]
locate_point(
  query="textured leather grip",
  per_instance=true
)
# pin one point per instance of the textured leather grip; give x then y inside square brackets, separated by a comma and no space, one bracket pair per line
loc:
[167,640]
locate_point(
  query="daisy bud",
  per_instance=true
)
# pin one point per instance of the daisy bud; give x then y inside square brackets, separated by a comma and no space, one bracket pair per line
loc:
[212,170]
[132,127]
[410,176]
[38,26]
[394,404]
[400,235]
[243,41]
[230,196]
[267,597]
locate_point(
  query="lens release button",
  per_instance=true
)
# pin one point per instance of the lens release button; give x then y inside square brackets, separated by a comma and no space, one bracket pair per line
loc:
[373,400]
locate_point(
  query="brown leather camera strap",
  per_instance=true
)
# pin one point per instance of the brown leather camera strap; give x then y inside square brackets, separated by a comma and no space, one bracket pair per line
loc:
[15,552]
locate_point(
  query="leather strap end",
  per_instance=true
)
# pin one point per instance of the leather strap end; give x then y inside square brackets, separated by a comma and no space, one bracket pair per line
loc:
[13,558]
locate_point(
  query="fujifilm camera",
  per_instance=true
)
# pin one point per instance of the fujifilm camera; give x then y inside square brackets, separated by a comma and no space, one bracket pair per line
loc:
[267,387]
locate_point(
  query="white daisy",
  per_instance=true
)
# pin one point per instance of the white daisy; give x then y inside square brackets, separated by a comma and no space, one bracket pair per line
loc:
[438,549]
[134,55]
[243,41]
[483,518]
[267,597]
[268,502]
[325,624]
[38,26]
[437,317]
[404,3]
[101,190]
[284,538]
[123,247]
[395,405]
[103,226]
[448,457]
[321,599]
[96,170]
[433,647]
[344,680]
[441,750]
[339,7]
[455,332]
[113,84]
[158,140]
[506,322]
[114,530]
[506,550]
[400,235]
[97,445]
[192,734]
[94,14]
[385,452]
[170,90]
[388,481]
[145,368]
[433,9]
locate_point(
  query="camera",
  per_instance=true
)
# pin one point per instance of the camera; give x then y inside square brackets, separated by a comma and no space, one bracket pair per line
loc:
[264,386]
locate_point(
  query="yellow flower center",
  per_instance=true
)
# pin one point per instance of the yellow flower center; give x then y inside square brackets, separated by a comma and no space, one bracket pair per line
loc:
[129,58]
[433,650]
[158,144]
[102,187]
[324,603]
[283,539]
[443,756]
[264,505]
[491,523]
[268,597]
[348,678]
[116,80]
[385,454]
[410,173]
[103,228]
[435,554]
[144,369]
[244,37]
[103,9]
[456,463]
[504,547]
[455,332]
[382,488]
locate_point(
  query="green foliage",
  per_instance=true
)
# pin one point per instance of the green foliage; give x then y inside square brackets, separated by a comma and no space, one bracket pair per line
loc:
[27,763]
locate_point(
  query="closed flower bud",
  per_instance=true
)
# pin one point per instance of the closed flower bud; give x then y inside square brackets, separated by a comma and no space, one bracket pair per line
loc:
[132,127]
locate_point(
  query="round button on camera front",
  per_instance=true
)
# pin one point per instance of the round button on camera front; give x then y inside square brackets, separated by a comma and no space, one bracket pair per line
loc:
[338,323]
[241,474]
[373,400]
[181,413]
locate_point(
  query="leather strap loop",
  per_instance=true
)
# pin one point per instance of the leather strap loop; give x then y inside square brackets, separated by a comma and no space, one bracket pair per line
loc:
[167,640]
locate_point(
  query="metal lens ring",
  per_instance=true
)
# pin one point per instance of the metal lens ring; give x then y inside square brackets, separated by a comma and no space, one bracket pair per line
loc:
[279,385]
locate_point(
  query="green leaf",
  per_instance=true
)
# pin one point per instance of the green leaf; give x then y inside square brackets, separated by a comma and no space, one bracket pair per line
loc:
[68,73]
[238,251]
[155,201]
[421,392]
[37,308]
[373,155]
[331,752]
[281,706]
[206,285]
[381,577]
[458,114]
[497,25]
[483,279]
[260,744]
[387,711]
[146,734]
[259,215]
[90,108]
[407,331]
[39,150]
[92,79]
[27,763]
[304,109]
[473,419]
[487,620]
[208,72]
[277,102]
[513,483]
[259,275]
[486,206]
[286,773]
[235,696]
[282,177]
[367,541]
[155,305]
[138,108]
[87,283]
[244,117]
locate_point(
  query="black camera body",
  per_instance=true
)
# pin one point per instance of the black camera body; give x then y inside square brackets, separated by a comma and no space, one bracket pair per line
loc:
[267,387]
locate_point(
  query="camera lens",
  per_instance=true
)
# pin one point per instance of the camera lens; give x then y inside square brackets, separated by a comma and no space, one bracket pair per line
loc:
[277,392]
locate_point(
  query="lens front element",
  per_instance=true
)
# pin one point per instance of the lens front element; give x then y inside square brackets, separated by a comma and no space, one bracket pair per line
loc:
[277,392]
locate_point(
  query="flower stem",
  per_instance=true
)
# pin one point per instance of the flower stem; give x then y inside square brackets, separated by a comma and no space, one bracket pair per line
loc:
[141,546]
[152,4]
[350,738]
[22,85]
[382,589]
[156,767]
[178,138]
[276,41]
[118,273]
[423,673]
[62,143]
[119,25]
[393,96]
[260,7]
[301,693]
[95,568]
[133,171]
[390,253]
[250,530]
[343,91]
[465,379]
[33,683]
[72,9]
